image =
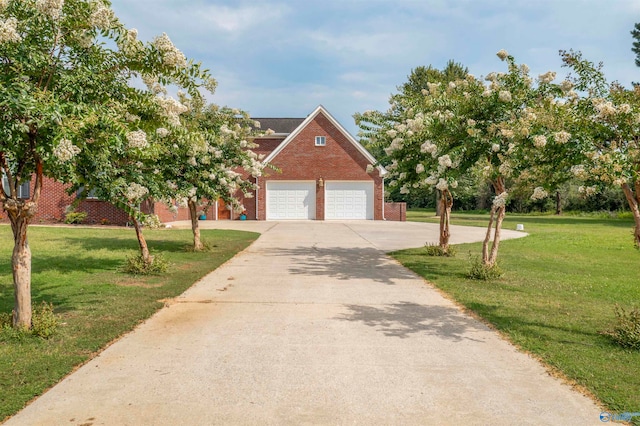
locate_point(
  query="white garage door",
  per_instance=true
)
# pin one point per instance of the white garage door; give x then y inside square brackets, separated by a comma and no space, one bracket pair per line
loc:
[291,200]
[349,200]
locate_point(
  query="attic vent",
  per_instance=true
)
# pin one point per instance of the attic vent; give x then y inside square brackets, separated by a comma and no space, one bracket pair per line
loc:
[321,140]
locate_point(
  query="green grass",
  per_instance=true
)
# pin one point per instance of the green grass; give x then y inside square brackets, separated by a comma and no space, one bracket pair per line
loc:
[78,270]
[559,291]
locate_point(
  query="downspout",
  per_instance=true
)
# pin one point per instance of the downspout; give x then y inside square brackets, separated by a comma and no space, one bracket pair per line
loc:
[257,198]
[383,218]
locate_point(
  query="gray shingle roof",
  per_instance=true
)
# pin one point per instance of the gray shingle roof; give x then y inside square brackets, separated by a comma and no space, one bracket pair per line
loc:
[279,125]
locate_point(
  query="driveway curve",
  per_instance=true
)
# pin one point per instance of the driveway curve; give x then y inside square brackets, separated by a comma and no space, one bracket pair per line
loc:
[312,324]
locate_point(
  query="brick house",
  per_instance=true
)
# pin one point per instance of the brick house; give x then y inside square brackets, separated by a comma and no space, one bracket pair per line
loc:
[320,172]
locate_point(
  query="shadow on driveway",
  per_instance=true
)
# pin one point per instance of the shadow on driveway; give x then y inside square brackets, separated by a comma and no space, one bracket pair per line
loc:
[405,319]
[343,263]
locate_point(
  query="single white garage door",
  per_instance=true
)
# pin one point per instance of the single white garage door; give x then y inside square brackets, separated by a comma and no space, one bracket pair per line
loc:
[291,200]
[349,200]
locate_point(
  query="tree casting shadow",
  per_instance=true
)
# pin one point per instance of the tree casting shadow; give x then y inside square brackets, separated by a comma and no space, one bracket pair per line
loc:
[344,263]
[405,319]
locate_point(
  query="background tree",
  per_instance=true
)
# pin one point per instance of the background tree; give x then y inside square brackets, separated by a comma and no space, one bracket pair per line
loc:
[635,33]
[608,120]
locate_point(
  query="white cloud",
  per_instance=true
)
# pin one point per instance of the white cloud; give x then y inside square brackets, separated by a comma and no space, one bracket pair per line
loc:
[244,18]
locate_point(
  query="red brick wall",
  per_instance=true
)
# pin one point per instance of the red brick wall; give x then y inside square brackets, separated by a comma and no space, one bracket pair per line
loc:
[395,211]
[54,200]
[338,160]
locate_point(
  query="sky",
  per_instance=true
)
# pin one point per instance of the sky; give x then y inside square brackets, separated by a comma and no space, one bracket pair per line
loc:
[284,58]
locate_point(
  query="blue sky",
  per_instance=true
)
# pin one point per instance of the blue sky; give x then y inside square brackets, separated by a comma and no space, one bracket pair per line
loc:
[284,58]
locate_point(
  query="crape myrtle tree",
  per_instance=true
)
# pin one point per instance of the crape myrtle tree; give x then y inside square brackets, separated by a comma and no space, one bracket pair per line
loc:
[208,156]
[399,134]
[608,118]
[510,134]
[65,68]
[495,125]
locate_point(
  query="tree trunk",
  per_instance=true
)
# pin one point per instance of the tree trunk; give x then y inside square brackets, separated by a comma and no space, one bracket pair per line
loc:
[634,201]
[438,206]
[195,226]
[445,203]
[21,266]
[144,249]
[20,213]
[490,257]
[487,237]
[558,204]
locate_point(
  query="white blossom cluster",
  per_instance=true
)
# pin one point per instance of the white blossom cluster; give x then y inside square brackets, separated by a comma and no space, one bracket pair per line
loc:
[153,85]
[9,31]
[562,137]
[152,221]
[65,150]
[4,4]
[547,77]
[502,54]
[135,192]
[171,56]
[605,109]
[539,141]
[130,44]
[51,8]
[137,139]
[102,16]
[369,168]
[580,172]
[587,190]
[504,96]
[171,109]
[500,200]
[539,194]
[429,147]
[161,132]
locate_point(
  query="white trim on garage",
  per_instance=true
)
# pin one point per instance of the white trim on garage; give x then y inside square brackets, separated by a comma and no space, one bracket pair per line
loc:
[291,200]
[345,200]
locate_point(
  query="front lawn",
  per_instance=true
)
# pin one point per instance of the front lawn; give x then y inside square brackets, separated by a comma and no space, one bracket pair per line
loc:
[559,291]
[76,269]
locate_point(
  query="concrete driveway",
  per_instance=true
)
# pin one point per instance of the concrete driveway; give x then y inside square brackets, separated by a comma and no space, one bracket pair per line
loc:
[312,324]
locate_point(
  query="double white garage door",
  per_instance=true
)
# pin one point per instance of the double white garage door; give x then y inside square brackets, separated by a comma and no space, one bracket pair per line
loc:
[297,200]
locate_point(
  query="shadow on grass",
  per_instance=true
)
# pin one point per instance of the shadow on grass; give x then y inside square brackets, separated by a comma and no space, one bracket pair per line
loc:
[406,319]
[343,263]
[552,332]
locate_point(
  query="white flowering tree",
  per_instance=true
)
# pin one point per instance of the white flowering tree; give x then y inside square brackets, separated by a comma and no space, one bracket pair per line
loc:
[409,138]
[207,156]
[65,92]
[608,119]
[509,133]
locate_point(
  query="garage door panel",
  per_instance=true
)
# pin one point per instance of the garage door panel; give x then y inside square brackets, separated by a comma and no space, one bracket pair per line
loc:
[349,200]
[291,200]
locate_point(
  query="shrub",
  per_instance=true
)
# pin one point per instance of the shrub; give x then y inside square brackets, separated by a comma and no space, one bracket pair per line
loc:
[436,250]
[44,323]
[480,271]
[75,217]
[136,265]
[626,331]
[105,221]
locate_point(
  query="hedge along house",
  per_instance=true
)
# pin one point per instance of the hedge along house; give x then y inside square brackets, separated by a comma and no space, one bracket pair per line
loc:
[320,172]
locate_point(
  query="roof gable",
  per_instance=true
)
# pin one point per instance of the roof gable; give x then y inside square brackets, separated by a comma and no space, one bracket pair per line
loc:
[321,110]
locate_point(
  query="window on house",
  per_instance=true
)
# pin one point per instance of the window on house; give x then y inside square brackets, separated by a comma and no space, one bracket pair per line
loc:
[90,196]
[24,190]
[321,140]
